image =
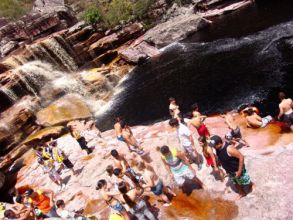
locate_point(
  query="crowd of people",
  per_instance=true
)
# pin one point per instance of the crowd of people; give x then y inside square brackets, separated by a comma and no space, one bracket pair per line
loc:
[131,177]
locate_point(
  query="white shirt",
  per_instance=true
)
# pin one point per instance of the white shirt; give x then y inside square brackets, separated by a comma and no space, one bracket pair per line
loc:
[184,135]
[66,214]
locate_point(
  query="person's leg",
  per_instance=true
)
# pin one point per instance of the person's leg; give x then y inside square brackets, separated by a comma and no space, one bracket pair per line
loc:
[240,190]
[168,190]
[146,211]
[125,214]
[198,182]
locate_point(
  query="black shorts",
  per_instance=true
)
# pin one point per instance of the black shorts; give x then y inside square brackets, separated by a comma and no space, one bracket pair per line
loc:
[68,163]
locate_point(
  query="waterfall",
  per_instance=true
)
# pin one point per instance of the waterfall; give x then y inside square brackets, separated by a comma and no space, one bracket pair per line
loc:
[42,80]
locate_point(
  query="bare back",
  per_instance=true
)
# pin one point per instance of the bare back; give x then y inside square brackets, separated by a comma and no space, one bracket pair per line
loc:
[286,105]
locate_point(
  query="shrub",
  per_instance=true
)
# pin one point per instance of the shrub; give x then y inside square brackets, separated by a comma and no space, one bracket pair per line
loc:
[141,7]
[14,8]
[92,15]
[118,10]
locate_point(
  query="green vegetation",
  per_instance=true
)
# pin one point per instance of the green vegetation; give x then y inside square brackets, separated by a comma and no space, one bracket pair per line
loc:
[92,15]
[14,8]
[111,13]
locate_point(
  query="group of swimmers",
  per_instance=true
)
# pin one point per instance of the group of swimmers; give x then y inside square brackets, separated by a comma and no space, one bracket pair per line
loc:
[131,177]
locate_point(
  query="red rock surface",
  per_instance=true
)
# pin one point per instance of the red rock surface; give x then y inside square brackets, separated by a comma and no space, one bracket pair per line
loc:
[268,163]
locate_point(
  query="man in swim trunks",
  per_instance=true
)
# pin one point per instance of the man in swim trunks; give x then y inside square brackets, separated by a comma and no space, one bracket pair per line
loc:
[186,141]
[121,163]
[153,183]
[129,139]
[197,121]
[253,120]
[286,111]
[233,162]
[118,129]
[177,164]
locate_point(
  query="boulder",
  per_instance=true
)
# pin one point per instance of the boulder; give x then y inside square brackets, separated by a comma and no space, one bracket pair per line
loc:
[175,29]
[67,108]
[116,39]
[138,53]
[44,134]
[13,155]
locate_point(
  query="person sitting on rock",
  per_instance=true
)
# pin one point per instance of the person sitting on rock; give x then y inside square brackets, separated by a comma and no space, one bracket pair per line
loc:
[177,164]
[65,214]
[197,121]
[234,136]
[253,120]
[153,183]
[233,162]
[186,141]
[111,198]
[60,157]
[211,158]
[121,163]
[76,133]
[48,167]
[286,111]
[43,200]
[26,214]
[130,140]
[134,199]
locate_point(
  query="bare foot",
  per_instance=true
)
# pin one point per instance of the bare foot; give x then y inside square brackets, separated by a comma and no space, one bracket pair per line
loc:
[253,187]
[239,196]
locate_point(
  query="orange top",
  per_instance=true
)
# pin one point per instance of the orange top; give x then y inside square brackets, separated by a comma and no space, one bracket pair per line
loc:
[42,202]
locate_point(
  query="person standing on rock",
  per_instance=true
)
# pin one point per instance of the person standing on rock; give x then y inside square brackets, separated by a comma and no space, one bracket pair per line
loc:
[75,133]
[153,183]
[186,141]
[65,214]
[135,201]
[133,144]
[60,157]
[197,121]
[173,108]
[233,162]
[111,198]
[177,163]
[286,111]
[48,167]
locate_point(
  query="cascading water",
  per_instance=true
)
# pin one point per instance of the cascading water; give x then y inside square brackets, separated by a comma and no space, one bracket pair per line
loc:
[45,82]
[220,75]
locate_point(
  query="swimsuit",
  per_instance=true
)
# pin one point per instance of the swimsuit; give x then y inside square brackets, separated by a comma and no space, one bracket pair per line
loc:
[120,138]
[158,189]
[288,117]
[203,131]
[118,207]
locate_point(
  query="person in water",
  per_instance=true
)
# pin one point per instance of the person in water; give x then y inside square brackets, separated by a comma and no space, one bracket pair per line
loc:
[134,199]
[153,183]
[285,110]
[186,141]
[177,163]
[112,198]
[253,120]
[233,162]
[211,158]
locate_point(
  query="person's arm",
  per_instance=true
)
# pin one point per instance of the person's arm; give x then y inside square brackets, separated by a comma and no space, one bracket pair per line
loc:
[168,168]
[192,142]
[184,159]
[236,153]
[212,155]
[281,112]
[26,215]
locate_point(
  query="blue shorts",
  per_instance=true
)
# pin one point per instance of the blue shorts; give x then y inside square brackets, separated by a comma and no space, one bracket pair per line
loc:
[117,207]
[158,189]
[120,138]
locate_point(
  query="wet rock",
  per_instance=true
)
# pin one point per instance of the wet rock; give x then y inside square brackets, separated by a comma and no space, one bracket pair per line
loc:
[67,108]
[17,116]
[114,40]
[175,29]
[7,47]
[13,155]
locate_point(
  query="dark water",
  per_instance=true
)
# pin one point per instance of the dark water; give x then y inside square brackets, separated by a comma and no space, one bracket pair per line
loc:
[222,71]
